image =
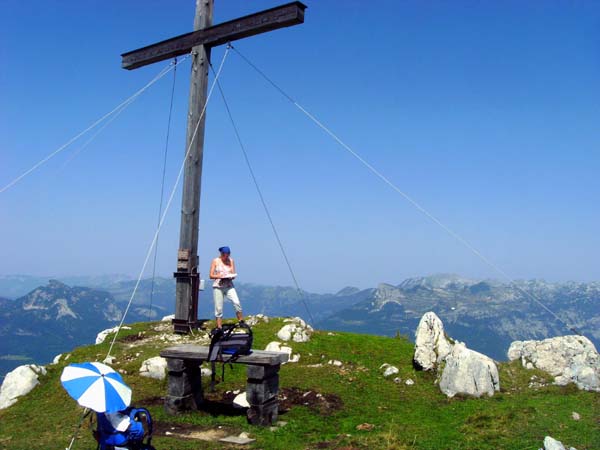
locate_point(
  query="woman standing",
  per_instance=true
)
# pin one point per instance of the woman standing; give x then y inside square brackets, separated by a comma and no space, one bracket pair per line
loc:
[222,270]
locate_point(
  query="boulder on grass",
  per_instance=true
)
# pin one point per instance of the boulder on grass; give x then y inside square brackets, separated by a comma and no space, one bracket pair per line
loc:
[154,368]
[388,370]
[431,345]
[101,337]
[569,359]
[296,330]
[552,444]
[19,382]
[256,319]
[468,372]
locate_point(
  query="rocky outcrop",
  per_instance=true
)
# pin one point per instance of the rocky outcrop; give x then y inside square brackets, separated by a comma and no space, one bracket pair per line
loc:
[296,330]
[463,371]
[468,372]
[101,337]
[19,382]
[256,319]
[431,345]
[569,359]
[501,312]
[154,368]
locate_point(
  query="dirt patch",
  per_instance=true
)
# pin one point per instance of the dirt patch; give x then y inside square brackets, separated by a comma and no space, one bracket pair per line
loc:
[189,431]
[324,404]
[334,444]
[133,337]
[152,401]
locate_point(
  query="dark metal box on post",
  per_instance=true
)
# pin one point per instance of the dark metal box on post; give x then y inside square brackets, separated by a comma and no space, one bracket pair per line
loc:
[188,273]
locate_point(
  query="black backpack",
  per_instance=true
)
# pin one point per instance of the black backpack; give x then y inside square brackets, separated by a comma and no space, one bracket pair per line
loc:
[230,341]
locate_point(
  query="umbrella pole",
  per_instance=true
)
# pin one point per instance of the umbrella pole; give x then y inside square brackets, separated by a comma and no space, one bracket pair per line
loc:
[85,411]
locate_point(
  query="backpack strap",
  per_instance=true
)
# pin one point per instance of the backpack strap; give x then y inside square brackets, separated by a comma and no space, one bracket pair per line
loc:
[215,351]
[134,415]
[213,376]
[215,336]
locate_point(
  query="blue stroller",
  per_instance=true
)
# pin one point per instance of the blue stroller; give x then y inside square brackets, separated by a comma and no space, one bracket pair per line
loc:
[135,437]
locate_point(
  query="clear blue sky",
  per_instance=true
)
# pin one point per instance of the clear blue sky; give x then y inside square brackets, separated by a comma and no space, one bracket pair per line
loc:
[485,112]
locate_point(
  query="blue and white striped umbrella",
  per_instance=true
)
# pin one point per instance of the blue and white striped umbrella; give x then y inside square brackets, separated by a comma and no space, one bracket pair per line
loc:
[96,386]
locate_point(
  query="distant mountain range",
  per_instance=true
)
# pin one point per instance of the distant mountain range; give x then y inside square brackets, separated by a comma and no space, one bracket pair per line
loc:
[488,315]
[52,319]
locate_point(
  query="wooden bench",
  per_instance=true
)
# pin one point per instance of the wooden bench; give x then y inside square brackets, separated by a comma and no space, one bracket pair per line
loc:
[185,380]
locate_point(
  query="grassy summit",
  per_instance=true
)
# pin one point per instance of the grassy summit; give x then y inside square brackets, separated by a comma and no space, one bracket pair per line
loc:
[325,404]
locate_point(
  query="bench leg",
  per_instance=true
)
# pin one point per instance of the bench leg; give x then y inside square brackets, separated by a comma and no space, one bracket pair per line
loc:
[184,391]
[262,389]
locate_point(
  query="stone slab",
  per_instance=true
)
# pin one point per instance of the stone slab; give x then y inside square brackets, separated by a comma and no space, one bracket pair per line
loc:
[261,372]
[200,353]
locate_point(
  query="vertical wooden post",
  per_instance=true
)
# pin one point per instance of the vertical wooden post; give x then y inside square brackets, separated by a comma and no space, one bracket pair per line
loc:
[186,308]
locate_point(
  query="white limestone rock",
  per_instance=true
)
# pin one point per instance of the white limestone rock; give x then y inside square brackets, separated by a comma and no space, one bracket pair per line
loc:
[552,444]
[256,319]
[56,359]
[409,382]
[431,345]
[296,330]
[240,401]
[569,359]
[388,370]
[278,347]
[335,362]
[468,372]
[101,337]
[168,318]
[154,368]
[298,321]
[19,382]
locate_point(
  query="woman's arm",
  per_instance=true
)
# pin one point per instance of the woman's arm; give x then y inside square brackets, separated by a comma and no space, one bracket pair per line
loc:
[232,265]
[213,267]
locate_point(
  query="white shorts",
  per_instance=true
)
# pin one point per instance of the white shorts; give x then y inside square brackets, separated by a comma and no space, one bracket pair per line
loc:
[220,294]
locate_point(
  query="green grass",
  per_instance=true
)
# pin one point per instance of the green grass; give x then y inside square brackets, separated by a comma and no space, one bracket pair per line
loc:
[404,417]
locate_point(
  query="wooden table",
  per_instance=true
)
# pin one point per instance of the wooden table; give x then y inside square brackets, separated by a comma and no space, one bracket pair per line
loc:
[185,380]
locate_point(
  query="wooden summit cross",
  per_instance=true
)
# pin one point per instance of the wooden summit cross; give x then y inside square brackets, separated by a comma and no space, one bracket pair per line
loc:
[200,42]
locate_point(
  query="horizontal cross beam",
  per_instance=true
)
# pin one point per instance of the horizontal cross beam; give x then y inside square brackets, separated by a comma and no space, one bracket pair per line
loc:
[260,22]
